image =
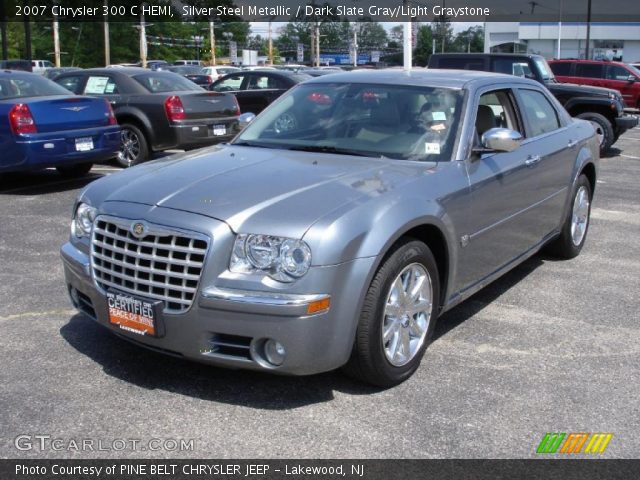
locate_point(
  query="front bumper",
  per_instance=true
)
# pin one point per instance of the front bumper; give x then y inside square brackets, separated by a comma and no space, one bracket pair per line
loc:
[625,122]
[228,327]
[43,150]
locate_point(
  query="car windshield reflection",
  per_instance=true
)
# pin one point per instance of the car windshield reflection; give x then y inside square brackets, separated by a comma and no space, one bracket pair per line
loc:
[381,121]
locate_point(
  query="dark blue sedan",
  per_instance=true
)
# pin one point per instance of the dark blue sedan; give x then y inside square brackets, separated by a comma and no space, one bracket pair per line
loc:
[44,125]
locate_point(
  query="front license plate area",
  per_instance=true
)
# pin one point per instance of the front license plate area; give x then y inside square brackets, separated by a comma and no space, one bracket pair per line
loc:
[219,130]
[134,314]
[84,144]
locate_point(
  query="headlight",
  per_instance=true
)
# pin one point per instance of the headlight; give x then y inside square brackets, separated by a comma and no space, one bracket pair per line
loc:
[83,220]
[283,259]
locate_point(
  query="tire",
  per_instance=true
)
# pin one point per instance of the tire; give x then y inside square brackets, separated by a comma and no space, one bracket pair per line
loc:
[134,148]
[73,171]
[604,129]
[574,232]
[386,362]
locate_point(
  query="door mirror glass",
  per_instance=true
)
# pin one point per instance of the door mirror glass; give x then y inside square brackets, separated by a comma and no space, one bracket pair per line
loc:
[631,78]
[501,140]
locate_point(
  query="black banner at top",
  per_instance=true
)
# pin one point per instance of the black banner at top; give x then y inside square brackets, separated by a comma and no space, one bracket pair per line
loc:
[333,10]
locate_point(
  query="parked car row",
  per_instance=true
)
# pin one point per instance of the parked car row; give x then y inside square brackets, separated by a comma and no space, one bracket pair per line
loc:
[87,116]
[603,107]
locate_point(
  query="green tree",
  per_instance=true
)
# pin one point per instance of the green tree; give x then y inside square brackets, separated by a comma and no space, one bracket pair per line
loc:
[424,45]
[442,32]
[470,40]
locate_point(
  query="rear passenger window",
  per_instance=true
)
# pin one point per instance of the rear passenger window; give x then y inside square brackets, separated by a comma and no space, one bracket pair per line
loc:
[462,63]
[562,69]
[541,115]
[100,86]
[589,70]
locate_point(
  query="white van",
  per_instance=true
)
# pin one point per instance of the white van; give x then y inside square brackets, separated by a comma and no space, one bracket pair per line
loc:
[41,66]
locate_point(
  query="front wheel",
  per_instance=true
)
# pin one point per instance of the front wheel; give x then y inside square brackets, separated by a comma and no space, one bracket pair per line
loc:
[574,230]
[397,318]
[603,127]
[134,148]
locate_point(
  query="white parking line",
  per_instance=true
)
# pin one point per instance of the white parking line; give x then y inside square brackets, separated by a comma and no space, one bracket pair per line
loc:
[38,314]
[629,156]
[48,184]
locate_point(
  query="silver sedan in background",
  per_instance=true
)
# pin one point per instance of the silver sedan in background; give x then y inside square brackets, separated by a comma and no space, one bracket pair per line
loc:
[338,226]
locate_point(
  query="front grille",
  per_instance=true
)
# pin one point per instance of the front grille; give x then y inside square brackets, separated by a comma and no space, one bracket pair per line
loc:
[162,265]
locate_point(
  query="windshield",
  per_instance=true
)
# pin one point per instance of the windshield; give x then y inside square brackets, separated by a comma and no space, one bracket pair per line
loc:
[545,71]
[634,69]
[383,121]
[159,82]
[15,86]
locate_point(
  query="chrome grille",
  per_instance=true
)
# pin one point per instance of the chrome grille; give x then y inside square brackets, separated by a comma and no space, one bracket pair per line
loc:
[162,265]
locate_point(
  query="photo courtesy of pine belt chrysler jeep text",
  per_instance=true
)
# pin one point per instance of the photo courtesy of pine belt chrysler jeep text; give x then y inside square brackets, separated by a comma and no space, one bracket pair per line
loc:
[338,226]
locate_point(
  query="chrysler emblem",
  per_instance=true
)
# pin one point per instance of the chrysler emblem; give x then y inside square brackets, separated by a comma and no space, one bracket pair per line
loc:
[74,109]
[138,230]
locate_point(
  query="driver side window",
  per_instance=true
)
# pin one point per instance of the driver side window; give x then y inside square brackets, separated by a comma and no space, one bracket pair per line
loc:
[495,110]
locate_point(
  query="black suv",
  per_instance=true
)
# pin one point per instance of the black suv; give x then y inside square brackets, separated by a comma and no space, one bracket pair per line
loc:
[603,107]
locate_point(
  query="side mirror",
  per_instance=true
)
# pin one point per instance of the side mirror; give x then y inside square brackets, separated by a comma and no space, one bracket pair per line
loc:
[500,140]
[245,119]
[631,78]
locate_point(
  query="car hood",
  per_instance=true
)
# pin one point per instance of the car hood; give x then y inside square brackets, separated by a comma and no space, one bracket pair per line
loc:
[269,191]
[585,89]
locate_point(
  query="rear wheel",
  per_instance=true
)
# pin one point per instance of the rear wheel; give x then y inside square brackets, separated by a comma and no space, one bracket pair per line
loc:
[134,148]
[72,171]
[574,230]
[603,127]
[397,318]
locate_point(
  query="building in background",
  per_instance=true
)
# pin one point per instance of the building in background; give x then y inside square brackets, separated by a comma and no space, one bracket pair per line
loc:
[613,41]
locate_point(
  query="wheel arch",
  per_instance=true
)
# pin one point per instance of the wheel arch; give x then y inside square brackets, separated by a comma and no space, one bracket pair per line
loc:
[131,116]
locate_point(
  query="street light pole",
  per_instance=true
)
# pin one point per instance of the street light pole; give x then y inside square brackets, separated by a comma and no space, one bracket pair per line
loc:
[212,43]
[270,46]
[107,46]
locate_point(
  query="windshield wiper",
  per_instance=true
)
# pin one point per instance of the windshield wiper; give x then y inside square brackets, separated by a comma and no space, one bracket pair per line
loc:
[253,144]
[336,150]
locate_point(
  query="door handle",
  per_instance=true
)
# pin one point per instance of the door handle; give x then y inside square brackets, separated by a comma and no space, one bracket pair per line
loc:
[532,160]
[572,143]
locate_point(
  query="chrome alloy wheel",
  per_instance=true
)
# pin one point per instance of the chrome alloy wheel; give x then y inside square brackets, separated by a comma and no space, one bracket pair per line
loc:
[580,215]
[129,148]
[407,314]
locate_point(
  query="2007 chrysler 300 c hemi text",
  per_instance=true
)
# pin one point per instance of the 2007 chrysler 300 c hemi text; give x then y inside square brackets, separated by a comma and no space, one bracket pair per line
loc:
[337,227]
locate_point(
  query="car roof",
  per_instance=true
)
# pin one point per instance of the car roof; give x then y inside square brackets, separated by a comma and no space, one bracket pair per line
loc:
[424,77]
[129,71]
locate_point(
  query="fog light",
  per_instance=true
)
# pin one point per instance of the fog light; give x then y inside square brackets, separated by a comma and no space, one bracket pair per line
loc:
[274,352]
[75,298]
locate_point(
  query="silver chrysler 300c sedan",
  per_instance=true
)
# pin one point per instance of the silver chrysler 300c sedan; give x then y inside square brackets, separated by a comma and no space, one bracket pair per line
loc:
[337,227]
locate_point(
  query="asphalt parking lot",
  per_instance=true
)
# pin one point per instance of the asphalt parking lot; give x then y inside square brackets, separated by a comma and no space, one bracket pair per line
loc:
[551,347]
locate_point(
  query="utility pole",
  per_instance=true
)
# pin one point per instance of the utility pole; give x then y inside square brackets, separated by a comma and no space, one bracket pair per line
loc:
[143,42]
[107,50]
[355,44]
[56,41]
[317,44]
[270,46]
[212,43]
[558,55]
[3,26]
[586,55]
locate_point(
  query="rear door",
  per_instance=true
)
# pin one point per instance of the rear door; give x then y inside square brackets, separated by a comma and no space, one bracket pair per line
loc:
[554,141]
[105,86]
[587,73]
[261,89]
